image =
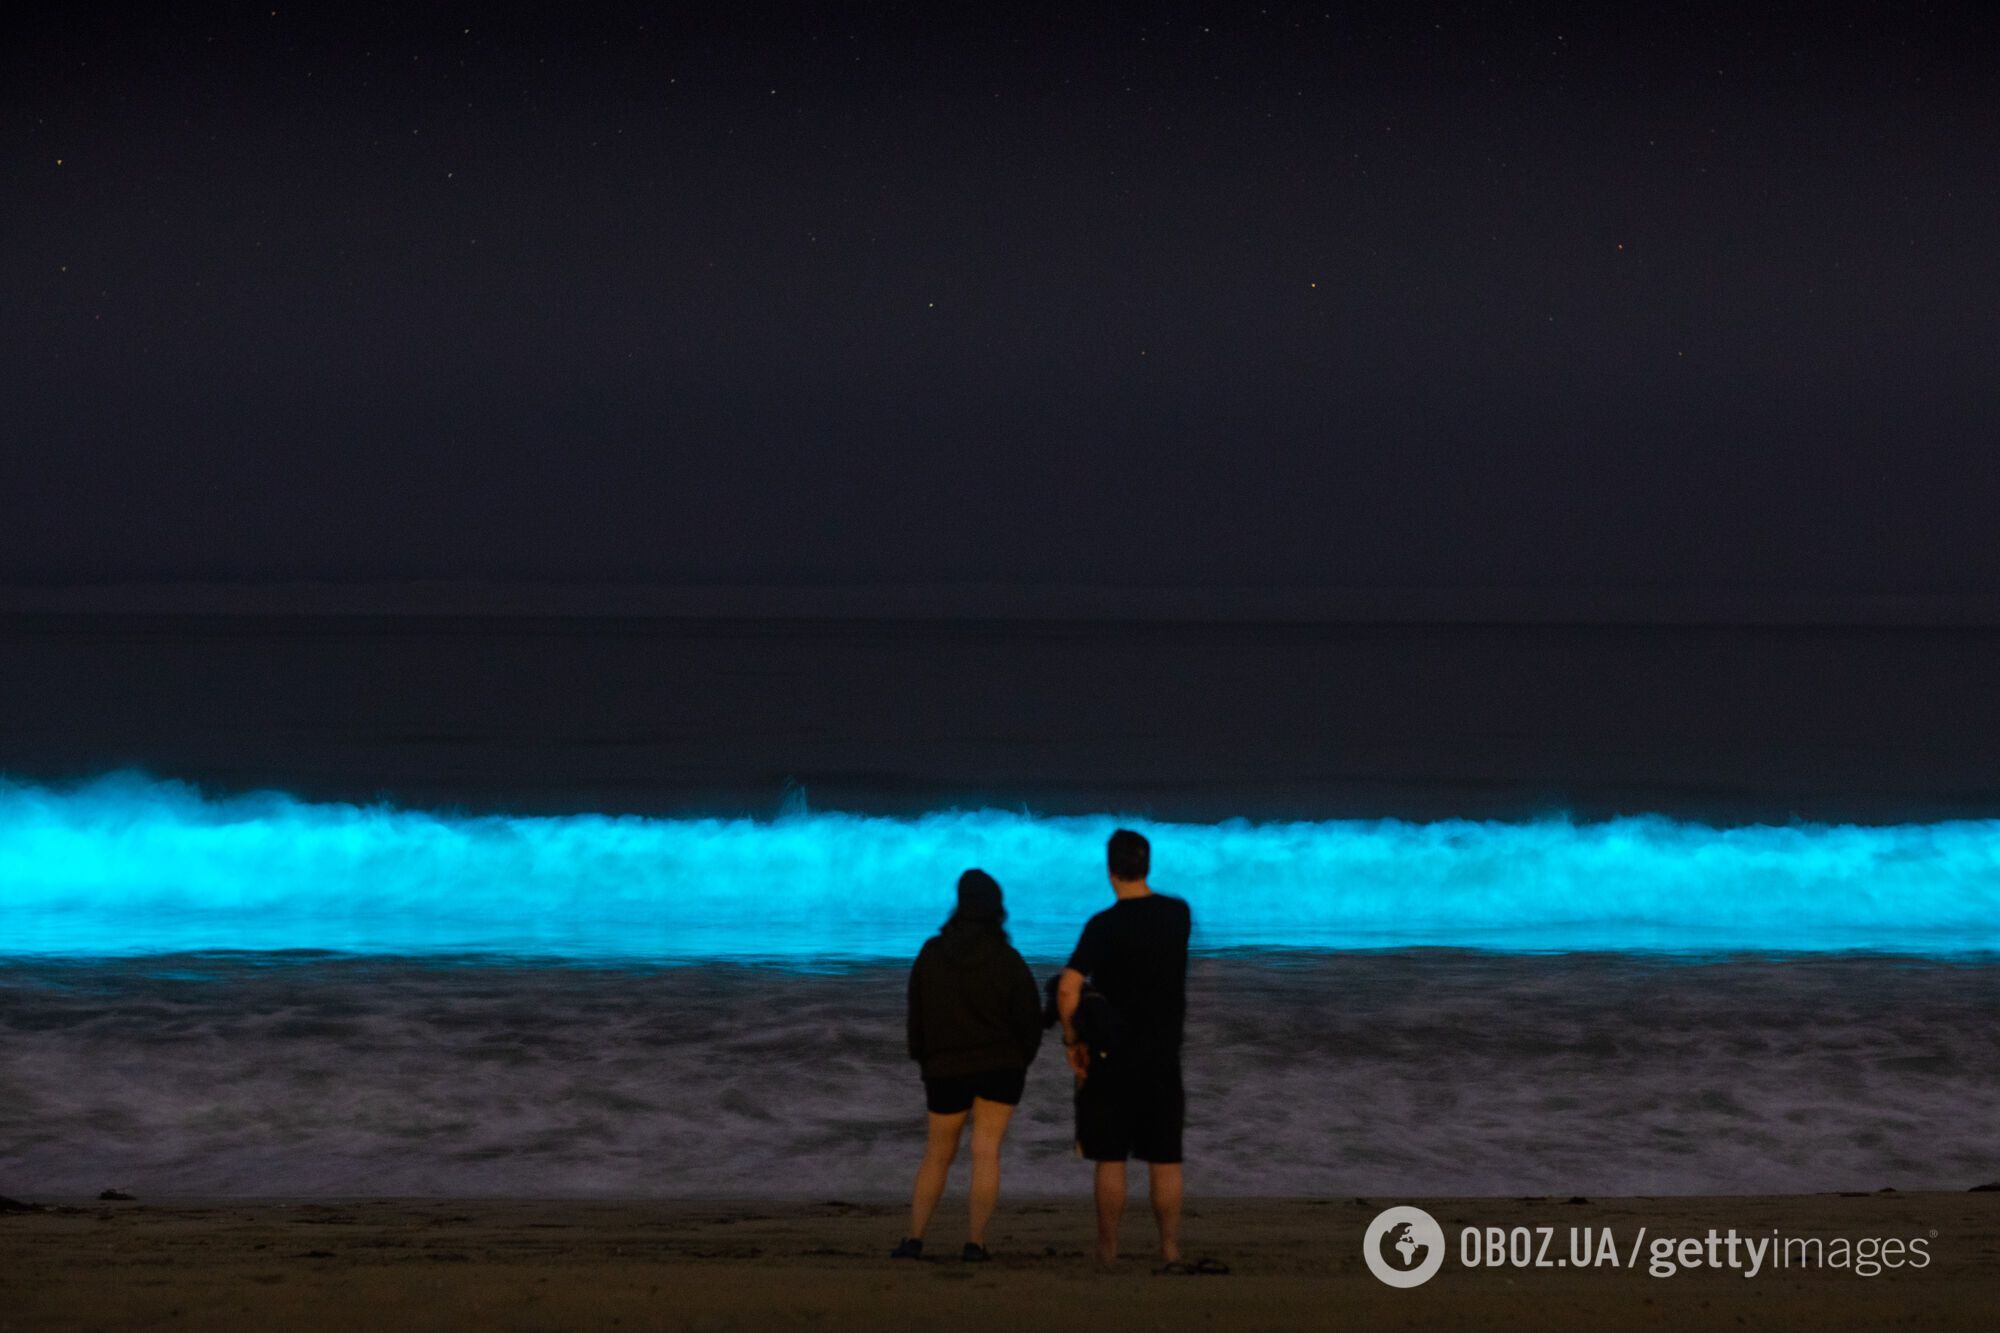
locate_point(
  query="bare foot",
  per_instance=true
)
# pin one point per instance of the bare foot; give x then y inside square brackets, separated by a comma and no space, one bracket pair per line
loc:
[1170,1253]
[1107,1255]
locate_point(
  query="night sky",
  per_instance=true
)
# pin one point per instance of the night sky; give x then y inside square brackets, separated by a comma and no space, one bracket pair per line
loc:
[1172,295]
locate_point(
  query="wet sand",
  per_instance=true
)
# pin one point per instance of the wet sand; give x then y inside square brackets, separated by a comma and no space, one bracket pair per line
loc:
[449,1264]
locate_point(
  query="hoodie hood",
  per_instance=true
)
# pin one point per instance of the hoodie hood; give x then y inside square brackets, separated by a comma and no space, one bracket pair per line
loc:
[962,940]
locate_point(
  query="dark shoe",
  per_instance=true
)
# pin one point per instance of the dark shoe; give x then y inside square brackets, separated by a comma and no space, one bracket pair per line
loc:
[1192,1268]
[909,1248]
[975,1254]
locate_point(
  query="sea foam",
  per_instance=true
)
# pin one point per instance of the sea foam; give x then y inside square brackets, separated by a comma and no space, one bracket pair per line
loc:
[128,865]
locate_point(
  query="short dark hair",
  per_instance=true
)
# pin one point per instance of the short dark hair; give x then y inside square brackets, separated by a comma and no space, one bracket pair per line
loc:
[1129,855]
[980,905]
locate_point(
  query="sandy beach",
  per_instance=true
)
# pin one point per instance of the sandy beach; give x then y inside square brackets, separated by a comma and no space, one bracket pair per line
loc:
[449,1264]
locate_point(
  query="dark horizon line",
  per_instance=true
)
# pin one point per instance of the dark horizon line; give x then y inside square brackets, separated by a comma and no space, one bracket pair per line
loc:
[995,601]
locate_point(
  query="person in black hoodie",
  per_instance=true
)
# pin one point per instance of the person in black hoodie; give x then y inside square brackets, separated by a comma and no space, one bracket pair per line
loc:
[975,1021]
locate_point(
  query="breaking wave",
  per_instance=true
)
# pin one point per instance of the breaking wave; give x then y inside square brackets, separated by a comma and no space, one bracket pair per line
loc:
[128,865]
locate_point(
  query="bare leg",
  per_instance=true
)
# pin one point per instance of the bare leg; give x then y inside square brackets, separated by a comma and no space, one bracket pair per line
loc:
[1164,1183]
[938,1152]
[989,1127]
[1110,1208]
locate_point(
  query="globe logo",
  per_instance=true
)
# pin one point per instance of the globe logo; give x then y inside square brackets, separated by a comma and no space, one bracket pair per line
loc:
[1404,1238]
[1404,1246]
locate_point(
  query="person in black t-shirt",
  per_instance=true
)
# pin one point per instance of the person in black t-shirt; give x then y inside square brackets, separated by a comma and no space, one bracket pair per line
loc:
[1129,1101]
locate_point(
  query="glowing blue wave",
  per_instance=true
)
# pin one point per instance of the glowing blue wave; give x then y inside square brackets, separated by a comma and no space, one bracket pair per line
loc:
[129,865]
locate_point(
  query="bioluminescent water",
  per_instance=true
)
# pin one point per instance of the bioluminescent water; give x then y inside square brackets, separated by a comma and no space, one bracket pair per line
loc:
[130,865]
[262,996]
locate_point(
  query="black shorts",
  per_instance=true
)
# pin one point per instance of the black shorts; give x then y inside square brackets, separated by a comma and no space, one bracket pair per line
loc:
[953,1096]
[1131,1111]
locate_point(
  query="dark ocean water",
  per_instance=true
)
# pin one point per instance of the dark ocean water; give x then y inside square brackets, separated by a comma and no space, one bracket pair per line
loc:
[1837,1028]
[1204,722]
[1406,1072]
